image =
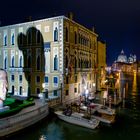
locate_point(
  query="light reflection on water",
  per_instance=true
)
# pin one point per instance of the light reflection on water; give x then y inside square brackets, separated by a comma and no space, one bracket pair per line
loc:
[126,127]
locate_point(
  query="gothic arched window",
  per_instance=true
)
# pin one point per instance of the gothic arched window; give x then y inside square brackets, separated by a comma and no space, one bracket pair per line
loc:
[38,37]
[5,40]
[66,34]
[55,62]
[75,37]
[29,62]
[56,34]
[38,63]
[13,39]
[20,61]
[29,37]
[13,60]
[5,63]
[66,61]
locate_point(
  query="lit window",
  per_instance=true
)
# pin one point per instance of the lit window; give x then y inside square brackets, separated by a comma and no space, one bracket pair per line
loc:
[55,80]
[46,79]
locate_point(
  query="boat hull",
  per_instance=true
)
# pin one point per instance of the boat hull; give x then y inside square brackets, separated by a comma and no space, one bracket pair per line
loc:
[77,121]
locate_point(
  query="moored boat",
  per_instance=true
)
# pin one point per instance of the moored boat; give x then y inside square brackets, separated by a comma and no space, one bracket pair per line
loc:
[105,118]
[78,119]
[102,109]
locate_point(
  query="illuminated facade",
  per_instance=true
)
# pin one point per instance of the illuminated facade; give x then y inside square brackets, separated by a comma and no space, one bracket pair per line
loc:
[124,63]
[101,73]
[56,52]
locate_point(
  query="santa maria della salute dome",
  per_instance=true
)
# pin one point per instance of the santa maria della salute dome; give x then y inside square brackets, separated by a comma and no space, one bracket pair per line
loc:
[123,58]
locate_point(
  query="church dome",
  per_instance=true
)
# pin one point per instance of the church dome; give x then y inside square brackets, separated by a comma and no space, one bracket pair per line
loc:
[122,57]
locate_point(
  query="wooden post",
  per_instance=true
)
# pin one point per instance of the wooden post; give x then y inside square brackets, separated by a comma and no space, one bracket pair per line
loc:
[110,101]
[124,93]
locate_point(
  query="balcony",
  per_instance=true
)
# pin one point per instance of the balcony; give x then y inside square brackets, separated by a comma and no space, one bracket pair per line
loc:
[19,69]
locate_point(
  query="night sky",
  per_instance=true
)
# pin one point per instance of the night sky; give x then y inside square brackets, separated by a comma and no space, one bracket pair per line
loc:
[116,21]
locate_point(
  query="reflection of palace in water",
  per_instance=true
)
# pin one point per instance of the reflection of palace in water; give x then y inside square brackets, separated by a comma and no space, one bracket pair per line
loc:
[57,53]
[124,63]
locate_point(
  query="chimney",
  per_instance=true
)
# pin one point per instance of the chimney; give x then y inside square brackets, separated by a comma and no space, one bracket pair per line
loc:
[93,29]
[70,15]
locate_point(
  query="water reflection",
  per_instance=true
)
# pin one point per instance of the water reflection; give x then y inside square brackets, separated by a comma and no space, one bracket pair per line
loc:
[134,87]
[126,127]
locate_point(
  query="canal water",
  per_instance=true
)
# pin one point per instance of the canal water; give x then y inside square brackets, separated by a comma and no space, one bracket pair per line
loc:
[127,125]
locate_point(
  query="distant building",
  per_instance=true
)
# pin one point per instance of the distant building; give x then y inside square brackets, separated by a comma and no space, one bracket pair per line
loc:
[54,54]
[124,63]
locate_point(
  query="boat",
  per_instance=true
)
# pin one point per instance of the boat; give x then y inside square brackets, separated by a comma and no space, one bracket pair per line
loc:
[77,119]
[25,117]
[102,109]
[105,118]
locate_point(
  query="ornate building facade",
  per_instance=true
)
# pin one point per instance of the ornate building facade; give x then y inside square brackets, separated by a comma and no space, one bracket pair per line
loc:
[124,63]
[57,53]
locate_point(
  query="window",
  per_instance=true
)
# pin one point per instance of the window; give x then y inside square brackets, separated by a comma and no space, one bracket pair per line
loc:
[5,40]
[29,62]
[38,90]
[46,79]
[29,79]
[29,37]
[55,62]
[67,92]
[55,81]
[20,39]
[13,39]
[13,61]
[66,34]
[20,78]
[75,90]
[75,79]
[38,63]
[38,37]
[13,89]
[12,78]
[20,61]
[66,61]
[67,80]
[20,90]
[38,79]
[75,37]
[5,63]
[56,34]
[55,92]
